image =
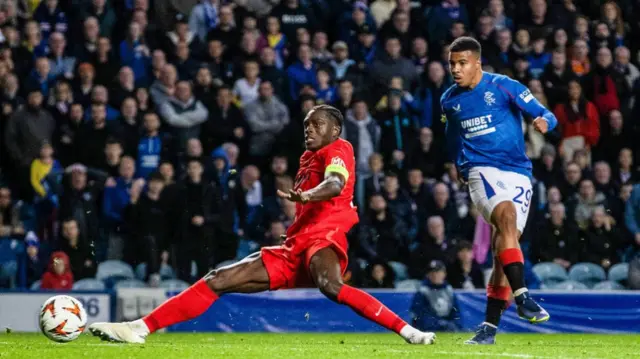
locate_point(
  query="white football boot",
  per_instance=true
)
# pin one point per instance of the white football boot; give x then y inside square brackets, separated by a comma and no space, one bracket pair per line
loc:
[117,333]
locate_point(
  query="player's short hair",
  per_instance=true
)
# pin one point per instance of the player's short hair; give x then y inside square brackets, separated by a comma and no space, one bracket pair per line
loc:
[465,43]
[331,112]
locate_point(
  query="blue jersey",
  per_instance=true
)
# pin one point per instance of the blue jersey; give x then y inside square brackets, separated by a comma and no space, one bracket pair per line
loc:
[484,124]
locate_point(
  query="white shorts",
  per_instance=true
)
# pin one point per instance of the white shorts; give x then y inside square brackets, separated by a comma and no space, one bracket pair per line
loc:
[488,186]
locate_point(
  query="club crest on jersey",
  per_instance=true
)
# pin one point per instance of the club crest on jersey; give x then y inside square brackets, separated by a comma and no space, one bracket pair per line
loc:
[489,99]
[337,161]
[456,108]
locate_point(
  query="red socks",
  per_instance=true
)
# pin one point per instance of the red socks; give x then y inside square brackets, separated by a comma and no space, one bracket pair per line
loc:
[510,256]
[370,308]
[187,305]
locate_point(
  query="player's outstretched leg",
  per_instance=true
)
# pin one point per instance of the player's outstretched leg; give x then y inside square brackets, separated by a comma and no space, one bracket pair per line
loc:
[508,251]
[325,271]
[246,276]
[498,297]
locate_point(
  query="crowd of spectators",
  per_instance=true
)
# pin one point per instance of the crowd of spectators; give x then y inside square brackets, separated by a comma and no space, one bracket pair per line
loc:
[158,131]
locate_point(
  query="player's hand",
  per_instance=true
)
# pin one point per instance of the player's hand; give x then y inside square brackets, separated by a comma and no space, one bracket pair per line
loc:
[294,196]
[541,125]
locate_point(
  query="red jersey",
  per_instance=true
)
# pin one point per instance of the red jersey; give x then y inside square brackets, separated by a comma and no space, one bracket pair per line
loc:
[338,212]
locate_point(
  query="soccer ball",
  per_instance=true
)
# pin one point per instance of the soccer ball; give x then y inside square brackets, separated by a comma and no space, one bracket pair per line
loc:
[62,318]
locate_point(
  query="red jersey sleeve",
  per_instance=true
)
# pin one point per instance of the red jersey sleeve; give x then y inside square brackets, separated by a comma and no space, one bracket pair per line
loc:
[340,159]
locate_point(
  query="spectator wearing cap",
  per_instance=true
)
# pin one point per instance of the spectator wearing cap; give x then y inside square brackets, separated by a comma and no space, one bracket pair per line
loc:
[302,72]
[226,122]
[182,33]
[464,272]
[442,16]
[108,63]
[399,131]
[135,53]
[267,118]
[363,132]
[184,114]
[391,63]
[204,18]
[343,67]
[351,21]
[60,63]
[226,29]
[51,17]
[433,306]
[364,49]
[293,15]
[104,14]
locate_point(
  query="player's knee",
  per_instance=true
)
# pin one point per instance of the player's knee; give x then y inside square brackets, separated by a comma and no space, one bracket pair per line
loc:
[329,287]
[216,280]
[505,217]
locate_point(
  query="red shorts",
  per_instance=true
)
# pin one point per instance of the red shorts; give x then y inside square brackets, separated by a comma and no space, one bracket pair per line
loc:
[288,265]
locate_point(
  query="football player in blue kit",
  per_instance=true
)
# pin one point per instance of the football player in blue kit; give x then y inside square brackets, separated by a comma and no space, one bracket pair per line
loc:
[484,136]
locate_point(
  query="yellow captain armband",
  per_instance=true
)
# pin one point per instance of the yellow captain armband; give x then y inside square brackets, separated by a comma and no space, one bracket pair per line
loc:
[443,118]
[337,166]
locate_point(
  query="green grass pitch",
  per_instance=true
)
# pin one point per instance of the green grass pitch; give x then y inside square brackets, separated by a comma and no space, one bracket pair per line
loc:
[320,346]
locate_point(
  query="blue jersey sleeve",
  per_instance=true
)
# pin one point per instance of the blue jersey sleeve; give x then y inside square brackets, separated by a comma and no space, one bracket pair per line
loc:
[526,102]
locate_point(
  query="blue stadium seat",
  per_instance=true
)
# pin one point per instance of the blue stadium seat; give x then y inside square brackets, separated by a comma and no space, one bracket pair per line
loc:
[36,285]
[166,272]
[174,285]
[550,273]
[114,269]
[569,285]
[619,273]
[130,283]
[587,273]
[89,284]
[400,270]
[408,284]
[608,285]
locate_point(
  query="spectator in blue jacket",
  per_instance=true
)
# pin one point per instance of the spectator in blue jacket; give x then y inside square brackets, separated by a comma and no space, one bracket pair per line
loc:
[632,214]
[116,197]
[41,77]
[434,307]
[135,54]
[302,72]
[149,147]
[51,18]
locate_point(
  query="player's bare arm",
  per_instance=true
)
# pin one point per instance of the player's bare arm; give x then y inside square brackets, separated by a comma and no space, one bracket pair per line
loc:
[331,186]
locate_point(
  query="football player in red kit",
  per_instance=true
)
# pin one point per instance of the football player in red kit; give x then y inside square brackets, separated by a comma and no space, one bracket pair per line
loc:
[313,254]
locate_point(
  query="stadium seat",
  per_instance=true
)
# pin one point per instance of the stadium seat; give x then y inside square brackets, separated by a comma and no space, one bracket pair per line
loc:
[400,270]
[166,272]
[569,285]
[174,285]
[36,285]
[114,269]
[550,273]
[408,284]
[608,285]
[89,284]
[130,283]
[587,273]
[619,273]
